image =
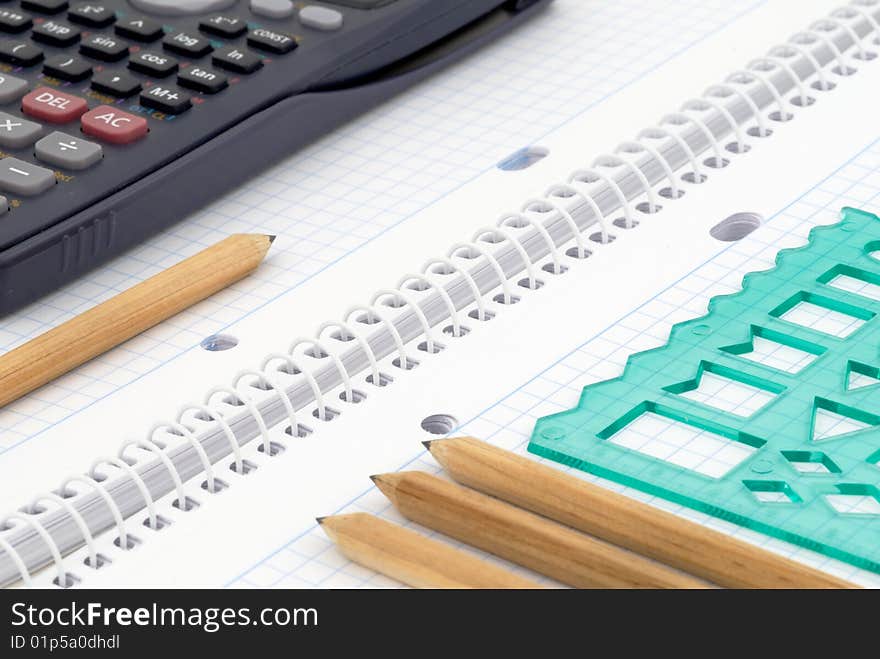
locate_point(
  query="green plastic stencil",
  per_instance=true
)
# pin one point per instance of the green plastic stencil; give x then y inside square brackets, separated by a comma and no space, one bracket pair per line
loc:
[765,412]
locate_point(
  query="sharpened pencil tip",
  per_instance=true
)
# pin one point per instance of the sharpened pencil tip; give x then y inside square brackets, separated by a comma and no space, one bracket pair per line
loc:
[320,520]
[271,239]
[427,443]
[375,478]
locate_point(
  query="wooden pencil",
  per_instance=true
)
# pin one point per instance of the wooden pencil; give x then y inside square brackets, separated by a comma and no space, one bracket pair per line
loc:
[668,538]
[411,558]
[126,315]
[522,537]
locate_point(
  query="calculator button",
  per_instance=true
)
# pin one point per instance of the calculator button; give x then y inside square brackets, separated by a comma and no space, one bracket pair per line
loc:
[20,53]
[11,88]
[181,7]
[67,67]
[116,83]
[202,80]
[16,132]
[103,47]
[166,98]
[320,18]
[272,8]
[63,150]
[92,14]
[113,125]
[14,21]
[187,45]
[152,64]
[53,105]
[238,60]
[55,33]
[139,29]
[224,26]
[44,6]
[274,42]
[23,178]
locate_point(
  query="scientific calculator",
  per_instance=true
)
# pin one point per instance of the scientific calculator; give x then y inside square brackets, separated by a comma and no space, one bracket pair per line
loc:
[120,117]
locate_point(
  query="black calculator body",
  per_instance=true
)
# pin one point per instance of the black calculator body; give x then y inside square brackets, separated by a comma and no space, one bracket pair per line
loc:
[121,117]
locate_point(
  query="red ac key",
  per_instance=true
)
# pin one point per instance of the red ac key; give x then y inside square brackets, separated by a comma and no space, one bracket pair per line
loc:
[112,125]
[54,106]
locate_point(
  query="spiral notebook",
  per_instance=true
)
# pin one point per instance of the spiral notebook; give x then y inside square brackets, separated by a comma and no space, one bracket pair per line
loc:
[483,309]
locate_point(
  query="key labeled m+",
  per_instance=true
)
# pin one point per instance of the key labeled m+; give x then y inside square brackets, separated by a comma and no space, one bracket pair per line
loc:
[166,98]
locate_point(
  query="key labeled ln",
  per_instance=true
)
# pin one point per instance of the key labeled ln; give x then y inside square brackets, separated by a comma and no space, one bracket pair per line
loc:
[23,178]
[63,150]
[237,60]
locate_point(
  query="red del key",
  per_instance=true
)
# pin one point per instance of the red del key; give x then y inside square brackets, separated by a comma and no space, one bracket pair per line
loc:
[113,125]
[52,105]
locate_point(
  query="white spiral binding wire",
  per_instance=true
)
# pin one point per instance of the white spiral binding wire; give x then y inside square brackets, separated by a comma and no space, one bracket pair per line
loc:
[580,184]
[62,579]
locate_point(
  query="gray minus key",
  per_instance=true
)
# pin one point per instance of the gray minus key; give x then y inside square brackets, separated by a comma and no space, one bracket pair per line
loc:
[23,178]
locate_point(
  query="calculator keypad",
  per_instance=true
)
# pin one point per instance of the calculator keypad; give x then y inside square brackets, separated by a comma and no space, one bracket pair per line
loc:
[133,66]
